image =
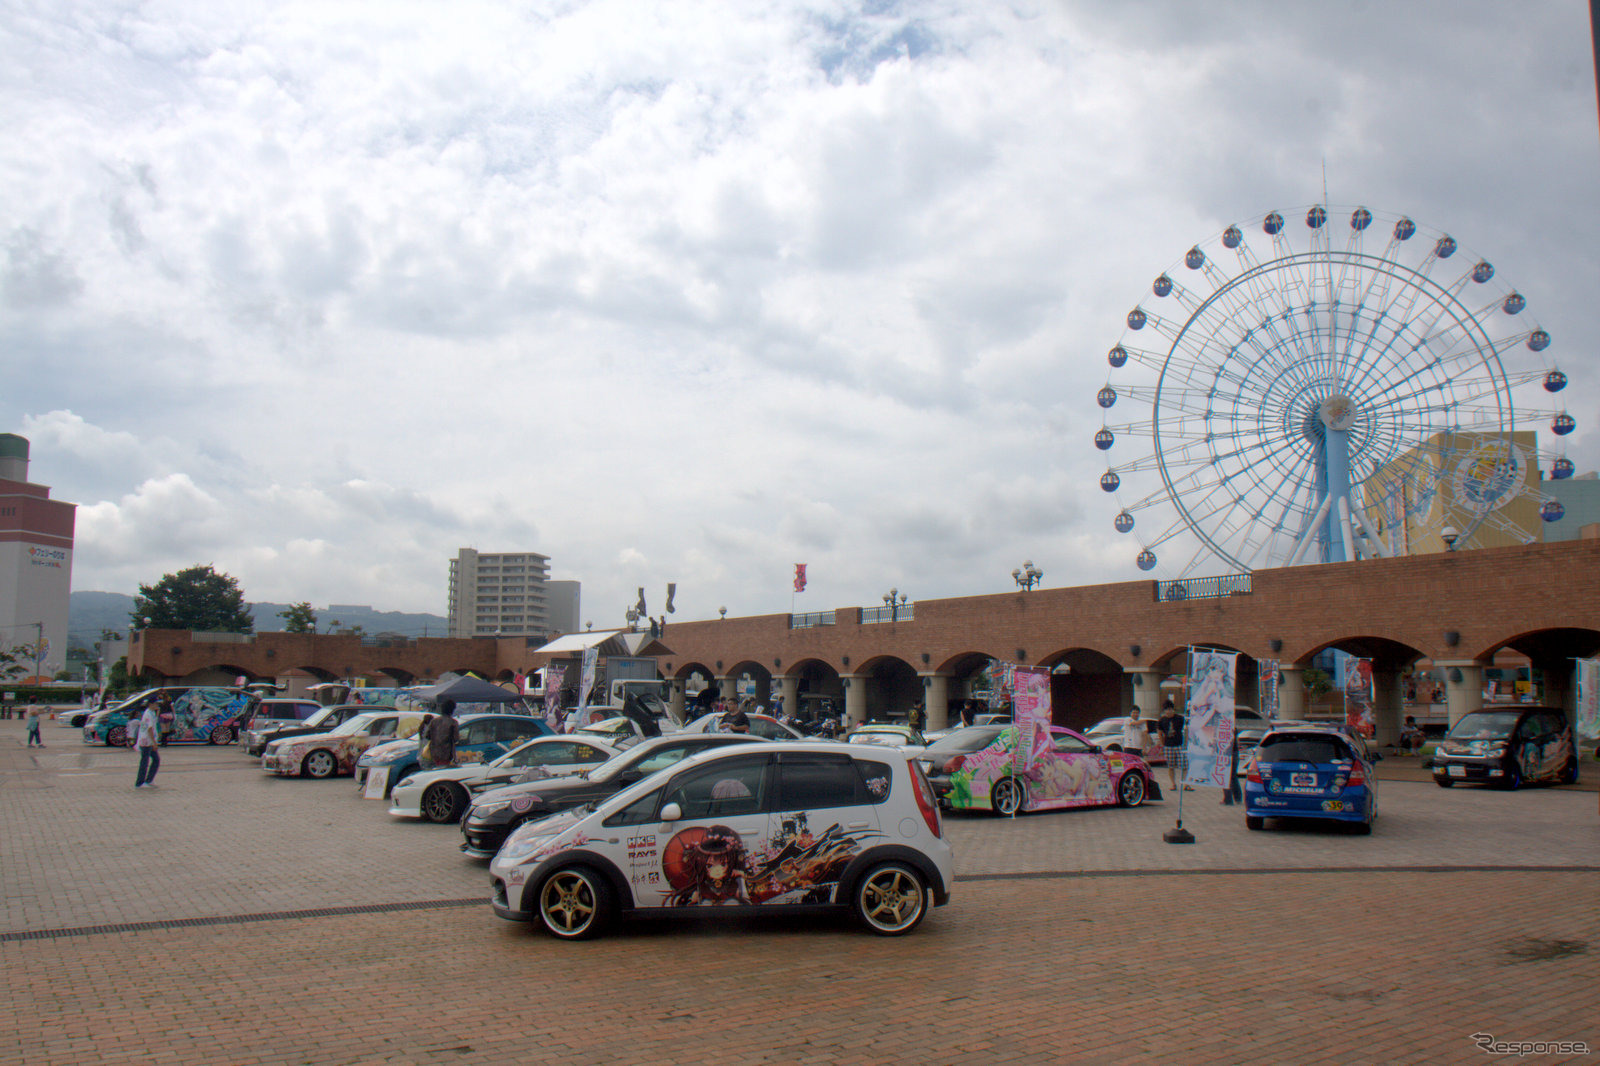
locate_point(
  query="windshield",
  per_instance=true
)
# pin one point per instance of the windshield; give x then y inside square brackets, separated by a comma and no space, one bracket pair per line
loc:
[324,715]
[1108,726]
[530,754]
[1304,747]
[1481,725]
[616,764]
[970,738]
[355,725]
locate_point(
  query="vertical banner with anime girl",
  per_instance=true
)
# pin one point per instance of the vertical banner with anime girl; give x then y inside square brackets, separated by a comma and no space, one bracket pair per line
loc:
[1208,729]
[1589,699]
[553,677]
[1267,685]
[591,660]
[1358,711]
[1030,713]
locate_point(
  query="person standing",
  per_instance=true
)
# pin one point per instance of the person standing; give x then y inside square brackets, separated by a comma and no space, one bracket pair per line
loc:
[1134,735]
[148,740]
[1171,728]
[738,721]
[34,713]
[442,734]
[914,716]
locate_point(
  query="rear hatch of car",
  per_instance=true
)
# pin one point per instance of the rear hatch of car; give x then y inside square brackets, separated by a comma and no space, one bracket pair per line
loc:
[1306,771]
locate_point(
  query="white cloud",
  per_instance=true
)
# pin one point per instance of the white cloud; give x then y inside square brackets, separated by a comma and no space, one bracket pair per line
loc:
[322,293]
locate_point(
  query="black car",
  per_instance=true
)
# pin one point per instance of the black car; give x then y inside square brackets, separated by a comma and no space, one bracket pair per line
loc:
[495,813]
[962,741]
[1509,747]
[256,741]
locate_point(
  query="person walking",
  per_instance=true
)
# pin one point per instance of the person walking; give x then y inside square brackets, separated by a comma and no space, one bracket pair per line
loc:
[442,734]
[34,713]
[148,741]
[1171,727]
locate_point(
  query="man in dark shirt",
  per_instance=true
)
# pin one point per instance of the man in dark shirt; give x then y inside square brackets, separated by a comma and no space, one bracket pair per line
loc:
[1171,726]
[442,735]
[738,721]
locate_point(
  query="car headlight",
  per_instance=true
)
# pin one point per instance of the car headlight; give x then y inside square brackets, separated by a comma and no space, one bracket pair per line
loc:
[483,809]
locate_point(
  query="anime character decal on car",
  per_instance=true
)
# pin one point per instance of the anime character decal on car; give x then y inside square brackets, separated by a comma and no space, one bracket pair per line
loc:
[712,865]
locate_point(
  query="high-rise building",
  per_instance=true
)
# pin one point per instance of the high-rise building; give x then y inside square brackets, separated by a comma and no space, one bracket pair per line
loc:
[505,594]
[35,562]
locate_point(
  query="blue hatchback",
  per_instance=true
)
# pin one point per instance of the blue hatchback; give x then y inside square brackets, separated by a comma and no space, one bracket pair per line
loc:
[1310,771]
[482,738]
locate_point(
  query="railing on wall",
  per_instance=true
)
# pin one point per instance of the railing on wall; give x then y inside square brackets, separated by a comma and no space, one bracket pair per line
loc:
[811,621]
[903,613]
[1203,588]
[222,638]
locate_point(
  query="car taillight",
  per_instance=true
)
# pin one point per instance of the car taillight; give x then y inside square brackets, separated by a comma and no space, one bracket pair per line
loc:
[1254,776]
[954,764]
[1357,777]
[925,799]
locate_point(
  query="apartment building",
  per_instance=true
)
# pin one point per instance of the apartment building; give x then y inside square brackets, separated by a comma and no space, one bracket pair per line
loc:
[507,594]
[36,535]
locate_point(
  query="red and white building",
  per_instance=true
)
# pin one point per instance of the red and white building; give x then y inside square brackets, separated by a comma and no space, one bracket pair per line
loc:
[35,560]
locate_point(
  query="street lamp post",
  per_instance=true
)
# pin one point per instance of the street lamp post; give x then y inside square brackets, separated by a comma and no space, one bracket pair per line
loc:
[1027,576]
[895,599]
[1449,535]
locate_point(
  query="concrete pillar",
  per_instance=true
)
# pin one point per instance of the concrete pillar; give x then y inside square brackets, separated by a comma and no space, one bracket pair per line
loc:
[675,701]
[936,693]
[1142,689]
[855,699]
[1388,706]
[1292,693]
[1465,695]
[790,691]
[725,687]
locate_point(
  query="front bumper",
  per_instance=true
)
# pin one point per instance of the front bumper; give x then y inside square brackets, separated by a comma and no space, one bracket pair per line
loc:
[1468,769]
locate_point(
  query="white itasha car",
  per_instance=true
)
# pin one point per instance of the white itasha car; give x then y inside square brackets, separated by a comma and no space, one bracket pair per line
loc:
[442,795]
[792,826]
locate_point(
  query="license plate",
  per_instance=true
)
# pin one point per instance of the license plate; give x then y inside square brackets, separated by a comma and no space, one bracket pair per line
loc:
[1303,780]
[1333,805]
[1458,771]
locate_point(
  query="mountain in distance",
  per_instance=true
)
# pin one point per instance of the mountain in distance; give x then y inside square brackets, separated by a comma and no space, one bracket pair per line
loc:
[89,613]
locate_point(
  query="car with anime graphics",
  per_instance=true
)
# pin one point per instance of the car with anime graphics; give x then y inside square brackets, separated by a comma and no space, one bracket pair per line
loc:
[336,752]
[324,721]
[494,814]
[480,738]
[201,714]
[1311,772]
[442,795]
[1067,770]
[1509,747]
[796,827]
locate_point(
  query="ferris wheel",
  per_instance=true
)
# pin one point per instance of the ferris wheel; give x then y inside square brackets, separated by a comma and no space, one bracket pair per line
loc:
[1323,390]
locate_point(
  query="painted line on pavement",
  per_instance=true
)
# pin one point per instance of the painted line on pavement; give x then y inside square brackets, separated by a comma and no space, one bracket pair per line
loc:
[479,901]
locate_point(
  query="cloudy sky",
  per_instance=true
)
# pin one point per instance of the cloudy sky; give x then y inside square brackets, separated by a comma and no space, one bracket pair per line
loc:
[319,293]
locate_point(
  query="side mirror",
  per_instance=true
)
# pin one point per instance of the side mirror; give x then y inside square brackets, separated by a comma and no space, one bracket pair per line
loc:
[630,776]
[671,812]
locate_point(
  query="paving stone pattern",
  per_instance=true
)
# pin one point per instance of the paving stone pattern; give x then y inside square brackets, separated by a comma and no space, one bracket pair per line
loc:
[1072,937]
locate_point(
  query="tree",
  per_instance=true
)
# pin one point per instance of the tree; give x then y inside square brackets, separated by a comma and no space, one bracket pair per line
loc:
[299,618]
[1317,683]
[197,598]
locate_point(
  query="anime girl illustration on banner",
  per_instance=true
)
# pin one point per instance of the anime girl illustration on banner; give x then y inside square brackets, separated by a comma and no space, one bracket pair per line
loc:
[1267,685]
[1208,731]
[1358,711]
[1589,698]
[1030,713]
[554,675]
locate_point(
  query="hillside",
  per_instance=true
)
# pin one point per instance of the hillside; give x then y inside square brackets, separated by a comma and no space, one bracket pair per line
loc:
[88,613]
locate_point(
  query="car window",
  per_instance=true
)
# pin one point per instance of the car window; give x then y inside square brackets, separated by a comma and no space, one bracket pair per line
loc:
[638,812]
[727,788]
[876,778]
[509,731]
[1067,744]
[559,753]
[661,759]
[811,780]
[767,728]
[1529,728]
[1303,749]
[1484,725]
[383,727]
[1554,723]
[969,738]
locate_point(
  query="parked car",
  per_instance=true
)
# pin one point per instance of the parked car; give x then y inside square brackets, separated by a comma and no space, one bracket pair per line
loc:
[1106,734]
[1311,771]
[442,795]
[1509,746]
[336,752]
[494,814]
[480,738]
[276,711]
[1067,771]
[884,734]
[805,826]
[761,725]
[323,721]
[201,714]
[963,740]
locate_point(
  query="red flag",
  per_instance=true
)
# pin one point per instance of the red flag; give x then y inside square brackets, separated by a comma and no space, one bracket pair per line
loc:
[799,577]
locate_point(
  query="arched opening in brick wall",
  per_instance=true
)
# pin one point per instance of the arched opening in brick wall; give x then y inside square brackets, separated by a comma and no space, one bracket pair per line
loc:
[818,688]
[961,671]
[1539,667]
[696,683]
[1085,686]
[891,687]
[224,674]
[1393,662]
[749,679]
[390,676]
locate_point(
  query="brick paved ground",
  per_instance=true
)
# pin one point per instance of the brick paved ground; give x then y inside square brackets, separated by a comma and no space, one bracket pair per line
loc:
[1304,945]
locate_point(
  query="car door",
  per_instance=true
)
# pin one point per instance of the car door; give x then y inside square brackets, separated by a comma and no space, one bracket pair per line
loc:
[825,811]
[479,742]
[709,854]
[1071,773]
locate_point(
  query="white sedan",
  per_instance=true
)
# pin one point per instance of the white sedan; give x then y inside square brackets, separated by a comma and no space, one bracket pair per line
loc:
[442,795]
